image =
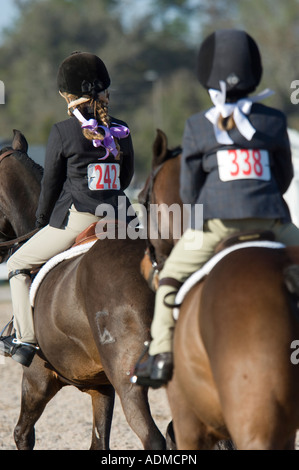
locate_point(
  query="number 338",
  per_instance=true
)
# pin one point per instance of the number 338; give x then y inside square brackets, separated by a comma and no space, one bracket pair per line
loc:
[236,164]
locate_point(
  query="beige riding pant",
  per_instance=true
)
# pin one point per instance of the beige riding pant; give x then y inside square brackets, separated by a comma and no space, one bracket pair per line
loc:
[190,253]
[48,242]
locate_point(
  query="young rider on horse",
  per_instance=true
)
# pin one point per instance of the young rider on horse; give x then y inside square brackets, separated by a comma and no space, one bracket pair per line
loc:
[79,150]
[236,162]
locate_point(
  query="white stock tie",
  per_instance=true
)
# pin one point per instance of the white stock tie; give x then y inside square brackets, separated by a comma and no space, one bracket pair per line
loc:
[239,110]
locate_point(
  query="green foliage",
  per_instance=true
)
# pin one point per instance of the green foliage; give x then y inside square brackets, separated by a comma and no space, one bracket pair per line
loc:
[49,30]
[274,25]
[150,53]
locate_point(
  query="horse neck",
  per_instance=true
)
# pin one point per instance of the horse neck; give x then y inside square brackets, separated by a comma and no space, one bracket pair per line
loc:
[19,193]
[165,190]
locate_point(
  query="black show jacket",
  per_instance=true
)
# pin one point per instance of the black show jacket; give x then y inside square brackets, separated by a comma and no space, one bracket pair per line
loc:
[65,180]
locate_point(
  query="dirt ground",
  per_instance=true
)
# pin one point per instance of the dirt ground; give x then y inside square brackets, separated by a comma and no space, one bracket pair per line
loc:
[66,423]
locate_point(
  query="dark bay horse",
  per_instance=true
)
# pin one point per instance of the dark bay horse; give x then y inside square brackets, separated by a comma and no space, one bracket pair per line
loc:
[235,376]
[20,182]
[91,315]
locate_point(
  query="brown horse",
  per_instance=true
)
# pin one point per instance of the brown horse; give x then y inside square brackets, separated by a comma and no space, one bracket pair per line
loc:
[165,164]
[90,314]
[235,371]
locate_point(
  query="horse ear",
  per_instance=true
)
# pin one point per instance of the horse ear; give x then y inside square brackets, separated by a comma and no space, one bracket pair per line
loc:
[160,149]
[19,141]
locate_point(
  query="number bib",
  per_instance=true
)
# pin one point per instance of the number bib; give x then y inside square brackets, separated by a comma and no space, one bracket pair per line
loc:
[103,176]
[243,164]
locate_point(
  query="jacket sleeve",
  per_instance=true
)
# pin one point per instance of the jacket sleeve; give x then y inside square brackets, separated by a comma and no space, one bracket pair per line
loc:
[53,178]
[127,164]
[192,175]
[282,169]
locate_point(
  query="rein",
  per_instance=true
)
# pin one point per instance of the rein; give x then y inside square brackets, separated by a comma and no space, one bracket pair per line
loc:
[16,241]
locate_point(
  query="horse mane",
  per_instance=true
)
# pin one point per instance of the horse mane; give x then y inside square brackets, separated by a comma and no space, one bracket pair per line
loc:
[30,164]
[172,153]
[27,162]
[161,152]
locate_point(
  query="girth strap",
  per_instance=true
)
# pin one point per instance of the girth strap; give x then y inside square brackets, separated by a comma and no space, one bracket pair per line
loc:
[17,272]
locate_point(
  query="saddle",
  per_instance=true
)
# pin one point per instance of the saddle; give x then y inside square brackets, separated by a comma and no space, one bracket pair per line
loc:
[94,231]
[242,237]
[151,272]
[262,239]
[88,235]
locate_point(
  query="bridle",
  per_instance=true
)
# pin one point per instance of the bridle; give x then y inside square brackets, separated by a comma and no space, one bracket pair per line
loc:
[147,200]
[8,152]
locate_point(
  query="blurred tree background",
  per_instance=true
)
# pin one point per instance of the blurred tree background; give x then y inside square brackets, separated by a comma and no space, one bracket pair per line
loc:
[150,50]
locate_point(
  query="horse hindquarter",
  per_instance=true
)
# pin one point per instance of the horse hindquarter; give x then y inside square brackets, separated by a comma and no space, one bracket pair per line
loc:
[237,373]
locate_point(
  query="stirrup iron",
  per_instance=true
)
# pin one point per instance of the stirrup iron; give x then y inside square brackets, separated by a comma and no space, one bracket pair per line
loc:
[22,343]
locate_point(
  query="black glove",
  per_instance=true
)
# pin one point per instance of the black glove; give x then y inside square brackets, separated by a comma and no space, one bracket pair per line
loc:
[41,221]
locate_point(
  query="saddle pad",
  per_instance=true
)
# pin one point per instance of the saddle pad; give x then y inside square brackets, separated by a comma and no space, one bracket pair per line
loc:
[68,254]
[206,269]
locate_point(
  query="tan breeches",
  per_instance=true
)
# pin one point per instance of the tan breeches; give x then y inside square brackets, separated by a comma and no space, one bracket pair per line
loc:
[47,243]
[190,253]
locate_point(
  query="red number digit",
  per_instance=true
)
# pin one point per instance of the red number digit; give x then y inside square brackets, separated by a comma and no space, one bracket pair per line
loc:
[247,162]
[99,185]
[257,166]
[234,162]
[114,169]
[107,178]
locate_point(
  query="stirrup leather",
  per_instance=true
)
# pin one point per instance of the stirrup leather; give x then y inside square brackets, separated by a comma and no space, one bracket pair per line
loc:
[17,272]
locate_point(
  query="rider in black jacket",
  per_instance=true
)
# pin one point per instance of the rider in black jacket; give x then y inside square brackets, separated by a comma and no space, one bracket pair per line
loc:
[89,161]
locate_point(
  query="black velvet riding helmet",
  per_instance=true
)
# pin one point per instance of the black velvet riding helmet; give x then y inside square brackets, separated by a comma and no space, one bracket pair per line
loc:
[233,56]
[83,73]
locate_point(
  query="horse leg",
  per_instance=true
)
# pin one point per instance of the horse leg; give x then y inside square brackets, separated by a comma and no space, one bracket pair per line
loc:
[171,442]
[136,408]
[190,432]
[170,437]
[225,445]
[291,443]
[102,405]
[256,440]
[39,385]
[193,434]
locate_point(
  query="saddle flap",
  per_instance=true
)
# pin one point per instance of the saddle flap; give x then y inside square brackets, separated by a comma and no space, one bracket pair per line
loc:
[87,235]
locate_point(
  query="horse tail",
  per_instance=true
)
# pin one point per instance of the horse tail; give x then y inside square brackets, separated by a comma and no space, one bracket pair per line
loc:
[291,279]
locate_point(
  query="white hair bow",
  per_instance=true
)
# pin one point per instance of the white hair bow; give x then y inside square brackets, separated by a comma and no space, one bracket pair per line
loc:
[239,110]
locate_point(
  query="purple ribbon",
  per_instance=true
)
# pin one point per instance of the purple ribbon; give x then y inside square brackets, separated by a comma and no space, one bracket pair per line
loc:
[120,132]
